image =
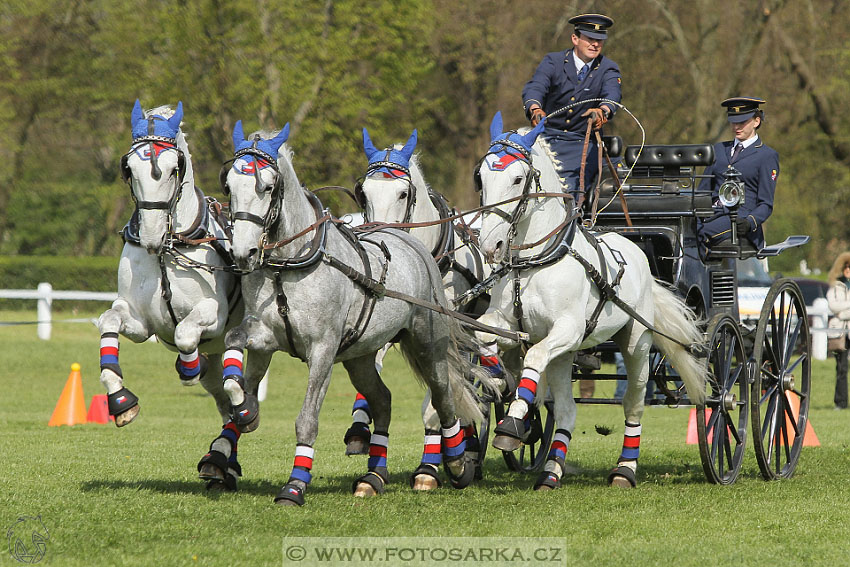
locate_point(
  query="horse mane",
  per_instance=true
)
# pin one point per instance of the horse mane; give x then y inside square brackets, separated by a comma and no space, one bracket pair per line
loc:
[416,174]
[167,112]
[544,161]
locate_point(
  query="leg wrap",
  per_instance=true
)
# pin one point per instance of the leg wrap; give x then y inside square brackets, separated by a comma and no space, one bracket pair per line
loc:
[631,443]
[248,411]
[293,490]
[527,389]
[378,451]
[232,365]
[191,367]
[360,411]
[454,444]
[555,465]
[109,353]
[431,454]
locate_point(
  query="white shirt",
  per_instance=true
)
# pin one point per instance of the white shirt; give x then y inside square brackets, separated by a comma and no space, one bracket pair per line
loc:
[579,63]
[745,143]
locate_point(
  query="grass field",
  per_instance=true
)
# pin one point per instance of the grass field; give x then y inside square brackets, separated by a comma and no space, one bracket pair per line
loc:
[131,496]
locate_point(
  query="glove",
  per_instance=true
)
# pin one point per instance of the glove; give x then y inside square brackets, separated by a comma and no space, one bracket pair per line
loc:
[743,226]
[598,117]
[537,115]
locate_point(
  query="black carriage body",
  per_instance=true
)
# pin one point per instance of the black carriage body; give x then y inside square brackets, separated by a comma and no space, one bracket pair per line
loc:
[664,203]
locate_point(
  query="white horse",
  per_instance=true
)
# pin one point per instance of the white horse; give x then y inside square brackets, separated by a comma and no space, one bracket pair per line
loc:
[394,190]
[162,290]
[552,262]
[315,291]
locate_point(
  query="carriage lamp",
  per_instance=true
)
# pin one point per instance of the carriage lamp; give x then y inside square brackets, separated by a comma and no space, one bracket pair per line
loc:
[731,195]
[731,191]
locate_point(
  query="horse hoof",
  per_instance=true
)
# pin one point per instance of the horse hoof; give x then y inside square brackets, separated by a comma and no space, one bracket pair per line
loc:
[219,486]
[357,446]
[191,381]
[425,483]
[208,471]
[506,443]
[621,482]
[364,490]
[123,419]
[249,427]
[543,488]
[284,502]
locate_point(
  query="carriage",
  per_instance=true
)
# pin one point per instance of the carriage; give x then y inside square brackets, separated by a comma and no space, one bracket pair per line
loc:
[757,372]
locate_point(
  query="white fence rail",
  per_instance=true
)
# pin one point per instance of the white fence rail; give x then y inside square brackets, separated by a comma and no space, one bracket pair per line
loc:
[45,295]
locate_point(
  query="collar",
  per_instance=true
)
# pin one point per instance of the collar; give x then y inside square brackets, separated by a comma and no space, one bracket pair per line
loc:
[578,62]
[746,143]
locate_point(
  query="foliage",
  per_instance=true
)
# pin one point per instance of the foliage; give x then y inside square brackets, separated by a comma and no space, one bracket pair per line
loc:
[73,70]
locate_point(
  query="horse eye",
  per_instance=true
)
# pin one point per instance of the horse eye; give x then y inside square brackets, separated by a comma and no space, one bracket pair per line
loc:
[517,180]
[402,196]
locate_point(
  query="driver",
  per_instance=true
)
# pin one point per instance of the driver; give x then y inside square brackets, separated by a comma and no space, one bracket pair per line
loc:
[759,168]
[565,79]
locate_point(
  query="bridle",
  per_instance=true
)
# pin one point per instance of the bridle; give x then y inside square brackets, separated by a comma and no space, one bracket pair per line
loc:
[154,143]
[360,196]
[273,214]
[533,175]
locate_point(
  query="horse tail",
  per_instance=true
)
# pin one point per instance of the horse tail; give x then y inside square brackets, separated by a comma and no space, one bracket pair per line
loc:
[463,375]
[675,319]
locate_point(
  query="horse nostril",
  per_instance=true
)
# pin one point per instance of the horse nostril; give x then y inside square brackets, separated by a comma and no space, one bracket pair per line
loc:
[252,252]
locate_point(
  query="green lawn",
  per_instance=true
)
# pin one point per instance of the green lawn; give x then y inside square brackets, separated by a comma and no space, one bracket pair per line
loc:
[131,496]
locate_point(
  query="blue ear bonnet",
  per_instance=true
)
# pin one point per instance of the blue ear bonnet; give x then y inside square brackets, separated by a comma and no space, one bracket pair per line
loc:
[391,161]
[526,141]
[155,125]
[270,146]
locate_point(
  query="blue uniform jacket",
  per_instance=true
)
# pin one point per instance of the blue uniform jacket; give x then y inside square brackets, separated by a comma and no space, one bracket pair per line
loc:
[759,167]
[555,85]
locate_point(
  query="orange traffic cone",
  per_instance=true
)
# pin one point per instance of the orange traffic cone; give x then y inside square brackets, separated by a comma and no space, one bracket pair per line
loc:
[810,439]
[99,410]
[71,407]
[693,438]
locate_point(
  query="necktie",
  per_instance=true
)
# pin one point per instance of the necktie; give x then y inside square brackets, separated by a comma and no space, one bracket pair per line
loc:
[583,73]
[736,152]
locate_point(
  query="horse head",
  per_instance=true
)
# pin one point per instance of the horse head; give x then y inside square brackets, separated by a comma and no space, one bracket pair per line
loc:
[386,193]
[155,168]
[505,173]
[254,183]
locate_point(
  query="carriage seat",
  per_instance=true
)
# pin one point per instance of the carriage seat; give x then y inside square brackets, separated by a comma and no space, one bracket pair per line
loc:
[613,146]
[663,179]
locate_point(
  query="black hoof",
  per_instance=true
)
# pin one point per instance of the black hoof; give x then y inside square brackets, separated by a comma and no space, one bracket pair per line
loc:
[423,484]
[290,495]
[509,434]
[357,439]
[228,484]
[465,478]
[123,406]
[623,477]
[375,479]
[547,481]
[246,416]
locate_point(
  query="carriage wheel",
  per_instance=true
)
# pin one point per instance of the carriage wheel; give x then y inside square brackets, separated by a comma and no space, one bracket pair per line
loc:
[722,438]
[532,454]
[484,427]
[781,380]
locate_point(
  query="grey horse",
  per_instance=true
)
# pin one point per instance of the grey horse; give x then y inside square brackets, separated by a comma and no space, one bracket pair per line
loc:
[314,290]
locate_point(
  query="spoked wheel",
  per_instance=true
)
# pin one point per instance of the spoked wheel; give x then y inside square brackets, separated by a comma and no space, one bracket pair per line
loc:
[486,405]
[723,435]
[781,380]
[531,456]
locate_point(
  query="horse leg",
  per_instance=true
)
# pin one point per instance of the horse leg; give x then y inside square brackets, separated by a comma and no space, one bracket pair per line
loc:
[565,336]
[559,380]
[426,476]
[191,365]
[365,378]
[357,437]
[636,359]
[307,423]
[123,404]
[241,387]
[220,467]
